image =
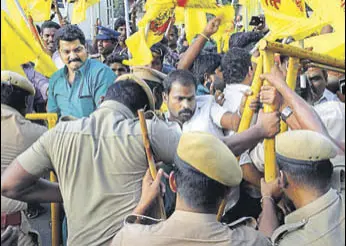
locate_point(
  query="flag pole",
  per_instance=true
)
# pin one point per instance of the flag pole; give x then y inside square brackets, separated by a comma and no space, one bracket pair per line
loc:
[127,19]
[29,24]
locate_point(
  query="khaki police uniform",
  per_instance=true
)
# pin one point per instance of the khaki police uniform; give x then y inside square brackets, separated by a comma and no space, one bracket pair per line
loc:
[100,163]
[332,115]
[321,222]
[184,228]
[17,134]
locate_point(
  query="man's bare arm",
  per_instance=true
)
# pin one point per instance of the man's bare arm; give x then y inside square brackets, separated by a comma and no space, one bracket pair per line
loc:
[304,116]
[194,50]
[267,126]
[18,184]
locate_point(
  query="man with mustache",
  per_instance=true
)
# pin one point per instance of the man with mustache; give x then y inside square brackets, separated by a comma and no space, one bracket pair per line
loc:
[76,89]
[200,113]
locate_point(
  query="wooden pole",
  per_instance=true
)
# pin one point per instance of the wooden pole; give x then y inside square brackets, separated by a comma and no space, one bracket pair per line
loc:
[292,51]
[150,157]
[52,118]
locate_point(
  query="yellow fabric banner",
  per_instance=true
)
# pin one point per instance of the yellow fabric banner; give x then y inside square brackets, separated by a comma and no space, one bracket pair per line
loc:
[79,10]
[288,18]
[39,10]
[24,49]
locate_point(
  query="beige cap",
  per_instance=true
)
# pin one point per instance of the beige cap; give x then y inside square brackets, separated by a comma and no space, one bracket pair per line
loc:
[141,83]
[210,156]
[15,79]
[304,146]
[147,73]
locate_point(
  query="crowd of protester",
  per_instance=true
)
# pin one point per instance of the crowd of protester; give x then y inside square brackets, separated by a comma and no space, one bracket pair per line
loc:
[194,99]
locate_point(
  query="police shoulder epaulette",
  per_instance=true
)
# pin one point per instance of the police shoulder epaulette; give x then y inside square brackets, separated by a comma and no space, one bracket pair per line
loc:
[245,221]
[285,229]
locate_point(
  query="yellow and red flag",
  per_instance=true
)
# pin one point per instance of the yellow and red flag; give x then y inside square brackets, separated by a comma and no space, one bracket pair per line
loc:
[288,18]
[197,3]
[151,30]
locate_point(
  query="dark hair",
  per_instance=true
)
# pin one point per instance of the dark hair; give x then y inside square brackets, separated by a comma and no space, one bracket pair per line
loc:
[129,93]
[235,65]
[317,176]
[50,24]
[175,29]
[245,40]
[183,77]
[14,97]
[119,22]
[206,63]
[196,189]
[116,58]
[157,90]
[38,28]
[69,33]
[160,49]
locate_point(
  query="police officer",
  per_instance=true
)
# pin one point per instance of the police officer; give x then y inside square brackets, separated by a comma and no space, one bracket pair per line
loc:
[201,180]
[17,134]
[106,41]
[303,157]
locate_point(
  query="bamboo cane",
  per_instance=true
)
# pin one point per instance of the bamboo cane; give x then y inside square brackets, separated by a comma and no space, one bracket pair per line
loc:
[255,88]
[150,157]
[292,51]
[269,144]
[52,118]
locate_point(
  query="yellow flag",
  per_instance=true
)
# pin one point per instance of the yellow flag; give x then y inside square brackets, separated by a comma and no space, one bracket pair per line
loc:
[19,47]
[226,28]
[151,29]
[39,10]
[335,14]
[13,54]
[79,10]
[288,18]
[335,45]
[195,22]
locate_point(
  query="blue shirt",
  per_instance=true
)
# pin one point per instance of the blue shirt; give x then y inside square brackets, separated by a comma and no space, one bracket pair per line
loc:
[82,97]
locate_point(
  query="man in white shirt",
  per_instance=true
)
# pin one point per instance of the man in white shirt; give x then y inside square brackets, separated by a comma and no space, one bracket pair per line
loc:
[318,79]
[195,113]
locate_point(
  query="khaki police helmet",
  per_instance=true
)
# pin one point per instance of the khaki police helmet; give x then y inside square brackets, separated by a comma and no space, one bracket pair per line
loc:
[17,80]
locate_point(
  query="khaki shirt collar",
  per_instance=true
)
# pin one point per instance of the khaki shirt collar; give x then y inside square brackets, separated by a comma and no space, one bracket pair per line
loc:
[313,208]
[9,111]
[117,108]
[195,217]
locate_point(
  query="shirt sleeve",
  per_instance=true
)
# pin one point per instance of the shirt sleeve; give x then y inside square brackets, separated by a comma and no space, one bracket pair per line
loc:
[164,139]
[245,158]
[52,106]
[35,160]
[104,79]
[257,157]
[216,113]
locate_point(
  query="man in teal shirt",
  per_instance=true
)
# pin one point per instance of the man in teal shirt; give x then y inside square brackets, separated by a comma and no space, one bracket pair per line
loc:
[76,90]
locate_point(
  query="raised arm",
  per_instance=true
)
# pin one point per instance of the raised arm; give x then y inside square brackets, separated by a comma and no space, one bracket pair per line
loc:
[195,49]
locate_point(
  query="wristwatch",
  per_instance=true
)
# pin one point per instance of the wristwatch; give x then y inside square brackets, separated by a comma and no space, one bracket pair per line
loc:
[286,113]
